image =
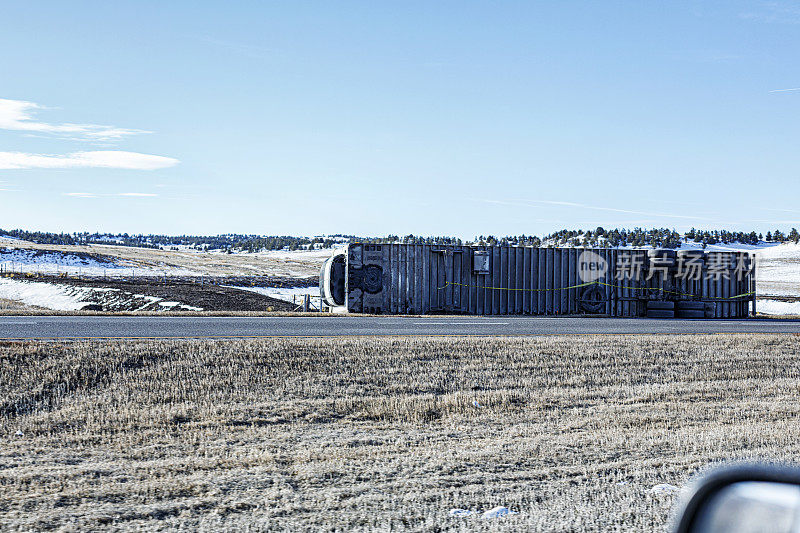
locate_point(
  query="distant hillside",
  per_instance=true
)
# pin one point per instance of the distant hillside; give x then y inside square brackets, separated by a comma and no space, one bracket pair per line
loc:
[232,242]
[600,237]
[597,237]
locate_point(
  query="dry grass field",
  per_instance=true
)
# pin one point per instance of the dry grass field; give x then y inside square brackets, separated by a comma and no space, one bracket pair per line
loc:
[361,434]
[298,264]
[13,307]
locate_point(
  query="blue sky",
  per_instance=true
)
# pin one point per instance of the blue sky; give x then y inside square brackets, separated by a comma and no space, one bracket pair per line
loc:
[369,118]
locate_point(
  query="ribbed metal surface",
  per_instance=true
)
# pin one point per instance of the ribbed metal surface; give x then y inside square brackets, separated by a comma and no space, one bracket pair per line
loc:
[422,279]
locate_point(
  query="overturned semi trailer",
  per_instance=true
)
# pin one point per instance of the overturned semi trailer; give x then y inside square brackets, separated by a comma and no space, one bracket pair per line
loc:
[521,280]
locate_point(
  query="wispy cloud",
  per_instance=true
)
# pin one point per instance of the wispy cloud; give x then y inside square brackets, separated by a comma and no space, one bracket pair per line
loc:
[81,194]
[774,13]
[17,115]
[781,210]
[708,56]
[785,90]
[94,159]
[119,194]
[245,49]
[530,203]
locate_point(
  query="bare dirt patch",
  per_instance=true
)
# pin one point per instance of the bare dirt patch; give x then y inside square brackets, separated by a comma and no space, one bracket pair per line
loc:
[205,295]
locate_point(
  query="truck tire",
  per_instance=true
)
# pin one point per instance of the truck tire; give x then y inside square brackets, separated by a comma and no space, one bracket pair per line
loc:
[660,313]
[660,304]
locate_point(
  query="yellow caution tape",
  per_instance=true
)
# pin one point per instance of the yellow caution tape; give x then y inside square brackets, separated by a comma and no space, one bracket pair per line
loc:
[449,283]
[677,292]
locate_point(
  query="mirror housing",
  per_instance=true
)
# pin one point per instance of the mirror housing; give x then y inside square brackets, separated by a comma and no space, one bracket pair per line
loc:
[742,499]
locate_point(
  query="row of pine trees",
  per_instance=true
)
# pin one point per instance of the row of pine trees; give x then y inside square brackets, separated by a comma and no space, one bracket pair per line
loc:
[598,237]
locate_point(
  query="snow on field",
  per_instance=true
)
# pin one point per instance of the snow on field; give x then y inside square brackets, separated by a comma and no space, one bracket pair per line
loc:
[321,254]
[776,307]
[56,297]
[102,259]
[496,512]
[62,297]
[778,270]
[664,488]
[24,260]
[287,294]
[52,262]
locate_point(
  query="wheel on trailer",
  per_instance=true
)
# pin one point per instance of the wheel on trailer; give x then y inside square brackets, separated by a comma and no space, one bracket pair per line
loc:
[710,309]
[660,305]
[660,313]
[690,313]
[693,305]
[593,300]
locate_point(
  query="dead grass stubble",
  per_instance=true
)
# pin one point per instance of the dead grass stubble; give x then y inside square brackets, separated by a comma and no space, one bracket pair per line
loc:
[378,433]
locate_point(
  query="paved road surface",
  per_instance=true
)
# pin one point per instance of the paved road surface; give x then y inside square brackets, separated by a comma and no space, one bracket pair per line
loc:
[48,327]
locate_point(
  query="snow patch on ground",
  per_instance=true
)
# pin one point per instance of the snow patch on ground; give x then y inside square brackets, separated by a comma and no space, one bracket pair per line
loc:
[320,254]
[48,262]
[663,488]
[287,294]
[62,297]
[776,307]
[56,297]
[778,270]
[496,512]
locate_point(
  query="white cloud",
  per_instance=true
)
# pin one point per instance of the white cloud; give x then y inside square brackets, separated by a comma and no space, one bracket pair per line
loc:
[122,194]
[94,159]
[773,13]
[16,115]
[531,203]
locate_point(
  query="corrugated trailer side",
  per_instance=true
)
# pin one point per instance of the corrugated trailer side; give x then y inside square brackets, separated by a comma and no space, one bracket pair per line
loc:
[502,280]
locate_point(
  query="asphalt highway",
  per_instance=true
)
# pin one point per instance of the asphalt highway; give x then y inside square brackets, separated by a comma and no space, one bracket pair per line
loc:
[63,327]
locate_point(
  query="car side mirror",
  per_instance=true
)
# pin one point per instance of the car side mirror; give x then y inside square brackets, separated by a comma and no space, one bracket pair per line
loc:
[742,499]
